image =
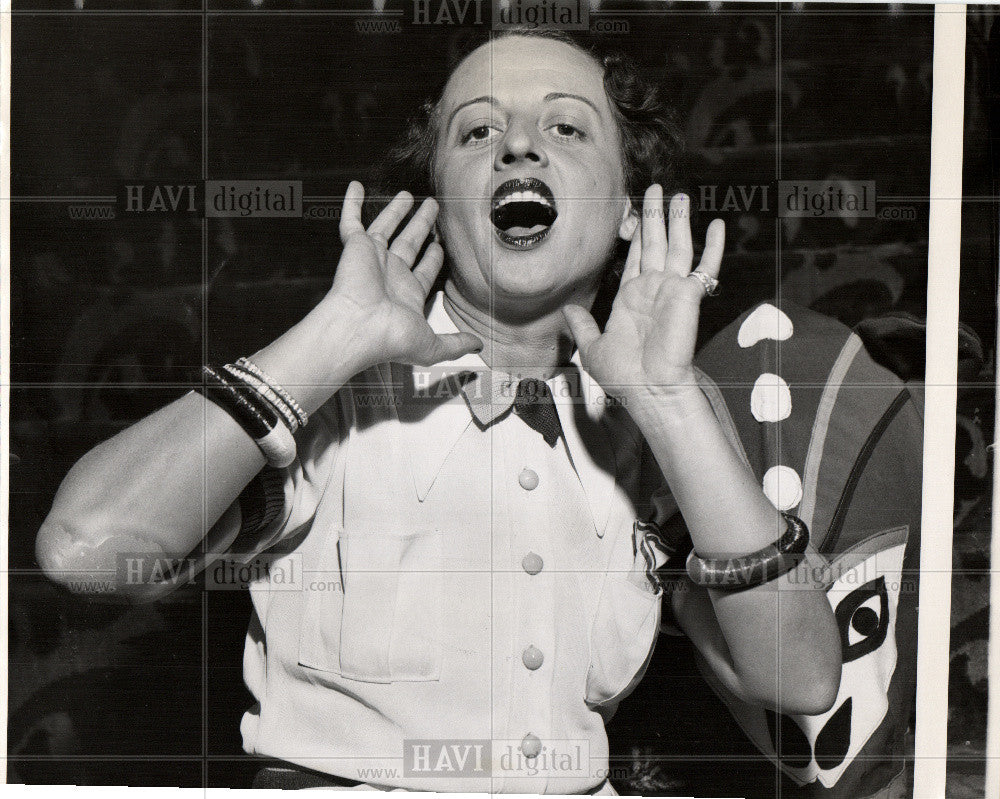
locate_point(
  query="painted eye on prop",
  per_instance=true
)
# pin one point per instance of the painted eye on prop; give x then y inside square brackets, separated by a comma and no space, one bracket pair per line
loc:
[863,619]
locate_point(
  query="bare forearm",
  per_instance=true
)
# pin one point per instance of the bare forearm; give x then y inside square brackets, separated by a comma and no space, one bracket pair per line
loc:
[159,486]
[292,359]
[781,638]
[147,489]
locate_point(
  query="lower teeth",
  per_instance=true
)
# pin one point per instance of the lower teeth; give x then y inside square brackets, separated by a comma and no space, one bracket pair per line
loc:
[522,232]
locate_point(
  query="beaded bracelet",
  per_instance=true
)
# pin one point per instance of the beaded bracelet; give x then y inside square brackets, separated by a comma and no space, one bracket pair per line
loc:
[287,398]
[266,392]
[754,569]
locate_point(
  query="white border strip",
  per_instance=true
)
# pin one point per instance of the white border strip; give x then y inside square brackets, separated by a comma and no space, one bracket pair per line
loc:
[943,271]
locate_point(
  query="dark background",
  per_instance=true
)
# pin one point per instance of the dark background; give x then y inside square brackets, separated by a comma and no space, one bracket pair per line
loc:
[112,318]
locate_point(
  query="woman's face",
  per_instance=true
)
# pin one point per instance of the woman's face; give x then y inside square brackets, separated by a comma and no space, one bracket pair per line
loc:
[528,173]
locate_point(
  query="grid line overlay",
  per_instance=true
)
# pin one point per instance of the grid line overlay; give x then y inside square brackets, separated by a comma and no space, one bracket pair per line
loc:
[206,14]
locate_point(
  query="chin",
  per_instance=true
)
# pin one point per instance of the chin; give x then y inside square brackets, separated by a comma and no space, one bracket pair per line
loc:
[522,286]
[531,289]
[522,281]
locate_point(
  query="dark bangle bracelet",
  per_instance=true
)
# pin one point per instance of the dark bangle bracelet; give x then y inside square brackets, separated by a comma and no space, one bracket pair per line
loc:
[756,568]
[244,395]
[255,419]
[253,424]
[254,414]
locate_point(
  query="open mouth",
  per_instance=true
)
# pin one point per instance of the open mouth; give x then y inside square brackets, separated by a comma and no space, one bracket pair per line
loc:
[523,212]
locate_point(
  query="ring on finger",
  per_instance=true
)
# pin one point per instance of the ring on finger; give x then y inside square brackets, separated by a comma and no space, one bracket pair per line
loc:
[709,283]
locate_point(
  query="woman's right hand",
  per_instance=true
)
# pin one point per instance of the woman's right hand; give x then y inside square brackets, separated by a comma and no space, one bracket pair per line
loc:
[378,294]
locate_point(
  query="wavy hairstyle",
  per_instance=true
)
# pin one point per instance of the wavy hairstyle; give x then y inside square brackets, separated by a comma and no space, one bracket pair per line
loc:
[651,141]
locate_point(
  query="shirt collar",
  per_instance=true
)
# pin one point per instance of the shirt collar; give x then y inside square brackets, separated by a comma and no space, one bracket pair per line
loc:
[465,389]
[490,393]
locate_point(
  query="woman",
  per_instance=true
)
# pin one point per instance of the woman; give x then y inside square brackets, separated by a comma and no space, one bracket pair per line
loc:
[474,501]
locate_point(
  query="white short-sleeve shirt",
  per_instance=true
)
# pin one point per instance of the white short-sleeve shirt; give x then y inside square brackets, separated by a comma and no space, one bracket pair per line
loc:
[466,594]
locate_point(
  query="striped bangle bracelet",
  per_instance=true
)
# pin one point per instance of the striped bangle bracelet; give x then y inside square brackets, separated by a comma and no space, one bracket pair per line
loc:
[255,415]
[754,569]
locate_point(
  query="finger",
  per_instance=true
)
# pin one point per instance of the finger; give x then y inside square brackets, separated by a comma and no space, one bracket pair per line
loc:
[634,258]
[582,325]
[680,252]
[715,245]
[654,233]
[449,346]
[426,271]
[407,244]
[350,215]
[387,221]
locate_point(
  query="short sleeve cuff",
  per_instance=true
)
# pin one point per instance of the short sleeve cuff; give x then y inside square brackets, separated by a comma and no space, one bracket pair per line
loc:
[265,505]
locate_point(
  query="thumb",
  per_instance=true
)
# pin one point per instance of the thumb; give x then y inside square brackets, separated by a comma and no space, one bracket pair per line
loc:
[582,325]
[449,346]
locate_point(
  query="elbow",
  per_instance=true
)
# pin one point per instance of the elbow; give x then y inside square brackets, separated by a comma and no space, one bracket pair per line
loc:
[95,543]
[827,683]
[58,550]
[816,682]
[68,557]
[86,562]
[814,699]
[809,691]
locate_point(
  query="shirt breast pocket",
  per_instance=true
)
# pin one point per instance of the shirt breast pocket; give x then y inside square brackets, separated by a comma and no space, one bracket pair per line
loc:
[382,624]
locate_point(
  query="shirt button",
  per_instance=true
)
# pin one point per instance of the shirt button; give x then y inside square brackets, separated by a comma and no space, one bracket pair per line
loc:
[531,745]
[532,658]
[528,478]
[532,563]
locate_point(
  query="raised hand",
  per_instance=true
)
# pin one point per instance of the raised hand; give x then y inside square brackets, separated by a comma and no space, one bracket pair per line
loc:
[648,342]
[381,294]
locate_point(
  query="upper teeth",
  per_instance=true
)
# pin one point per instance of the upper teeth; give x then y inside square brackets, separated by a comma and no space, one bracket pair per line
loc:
[523,197]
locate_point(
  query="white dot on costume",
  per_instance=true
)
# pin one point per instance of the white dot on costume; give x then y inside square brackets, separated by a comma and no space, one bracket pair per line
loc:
[783,487]
[766,321]
[770,400]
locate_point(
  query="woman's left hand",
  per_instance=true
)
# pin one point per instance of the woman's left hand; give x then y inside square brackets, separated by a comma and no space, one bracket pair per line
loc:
[648,342]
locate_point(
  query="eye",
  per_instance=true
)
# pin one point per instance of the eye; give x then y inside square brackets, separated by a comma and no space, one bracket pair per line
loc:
[863,619]
[564,130]
[480,133]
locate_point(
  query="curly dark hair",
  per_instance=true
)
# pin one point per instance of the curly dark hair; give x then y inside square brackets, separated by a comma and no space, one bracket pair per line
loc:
[650,136]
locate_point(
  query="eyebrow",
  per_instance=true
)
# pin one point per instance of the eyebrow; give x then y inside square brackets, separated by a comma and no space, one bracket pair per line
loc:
[562,95]
[484,99]
[548,98]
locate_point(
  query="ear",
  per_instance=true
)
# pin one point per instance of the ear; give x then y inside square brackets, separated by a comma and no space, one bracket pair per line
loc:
[629,221]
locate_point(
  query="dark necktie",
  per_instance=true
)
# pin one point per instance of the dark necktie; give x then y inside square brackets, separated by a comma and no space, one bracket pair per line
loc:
[534,404]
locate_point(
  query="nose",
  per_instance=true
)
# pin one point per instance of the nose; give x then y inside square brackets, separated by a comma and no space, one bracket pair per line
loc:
[520,143]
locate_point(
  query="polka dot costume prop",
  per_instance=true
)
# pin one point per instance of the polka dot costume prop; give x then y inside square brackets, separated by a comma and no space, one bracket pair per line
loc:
[835,439]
